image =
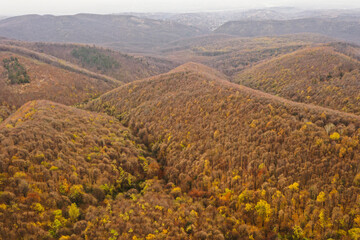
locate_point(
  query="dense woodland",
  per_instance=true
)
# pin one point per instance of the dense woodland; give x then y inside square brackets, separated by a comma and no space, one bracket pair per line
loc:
[59,164]
[267,169]
[319,75]
[15,71]
[151,144]
[23,79]
[128,68]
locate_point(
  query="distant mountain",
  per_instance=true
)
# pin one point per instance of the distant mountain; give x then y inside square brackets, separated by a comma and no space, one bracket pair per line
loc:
[213,20]
[118,31]
[341,28]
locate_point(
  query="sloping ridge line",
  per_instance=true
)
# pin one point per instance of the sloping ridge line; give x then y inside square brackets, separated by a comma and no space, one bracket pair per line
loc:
[54,61]
[286,102]
[324,47]
[211,73]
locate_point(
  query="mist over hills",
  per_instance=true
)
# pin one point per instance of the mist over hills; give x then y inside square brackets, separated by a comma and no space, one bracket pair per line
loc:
[213,20]
[147,33]
[231,54]
[340,28]
[117,31]
[155,126]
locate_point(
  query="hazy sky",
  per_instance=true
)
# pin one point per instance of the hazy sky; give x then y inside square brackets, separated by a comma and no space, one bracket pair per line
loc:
[18,7]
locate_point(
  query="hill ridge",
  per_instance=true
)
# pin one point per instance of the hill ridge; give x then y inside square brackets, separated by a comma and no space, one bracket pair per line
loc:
[187,146]
[218,140]
[31,104]
[129,33]
[55,62]
[321,75]
[200,69]
[324,46]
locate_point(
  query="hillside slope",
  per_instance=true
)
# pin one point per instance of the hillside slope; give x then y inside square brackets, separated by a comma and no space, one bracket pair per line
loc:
[61,167]
[49,59]
[122,67]
[45,81]
[263,165]
[320,75]
[118,31]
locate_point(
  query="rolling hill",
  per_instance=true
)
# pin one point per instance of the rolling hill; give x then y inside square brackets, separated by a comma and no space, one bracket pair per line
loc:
[104,61]
[99,144]
[230,54]
[127,33]
[340,28]
[46,78]
[67,73]
[58,164]
[263,166]
[72,174]
[319,75]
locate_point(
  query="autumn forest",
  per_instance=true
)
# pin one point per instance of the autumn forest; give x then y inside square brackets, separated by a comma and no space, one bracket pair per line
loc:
[144,127]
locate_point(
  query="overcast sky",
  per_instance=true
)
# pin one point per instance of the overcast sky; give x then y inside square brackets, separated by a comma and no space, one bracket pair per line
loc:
[19,7]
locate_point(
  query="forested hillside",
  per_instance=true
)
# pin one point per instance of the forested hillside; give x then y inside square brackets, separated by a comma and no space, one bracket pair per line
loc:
[24,78]
[57,166]
[163,130]
[266,167]
[319,75]
[120,66]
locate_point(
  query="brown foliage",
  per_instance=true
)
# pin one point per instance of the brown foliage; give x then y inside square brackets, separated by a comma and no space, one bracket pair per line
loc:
[50,83]
[244,148]
[52,155]
[317,75]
